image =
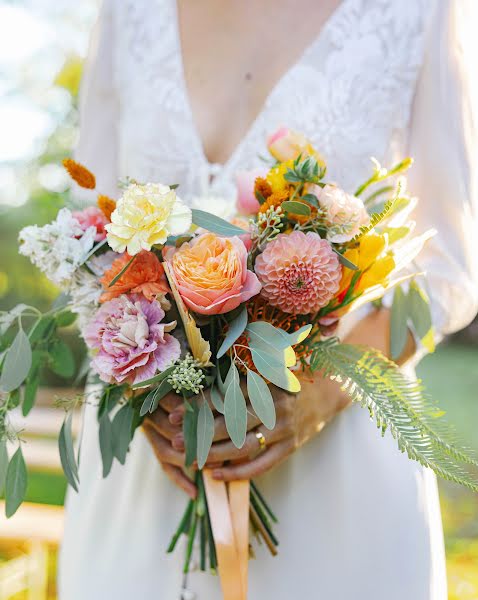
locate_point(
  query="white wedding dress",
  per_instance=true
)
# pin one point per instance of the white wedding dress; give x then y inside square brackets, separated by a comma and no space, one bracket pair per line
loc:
[358,520]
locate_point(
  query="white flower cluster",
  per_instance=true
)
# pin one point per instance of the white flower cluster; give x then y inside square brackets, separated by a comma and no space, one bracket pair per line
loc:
[187,376]
[58,248]
[85,288]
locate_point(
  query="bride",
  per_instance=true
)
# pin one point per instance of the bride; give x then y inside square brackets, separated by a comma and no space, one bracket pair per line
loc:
[186,92]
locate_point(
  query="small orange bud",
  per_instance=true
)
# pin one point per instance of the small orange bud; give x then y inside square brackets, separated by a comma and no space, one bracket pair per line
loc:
[107,205]
[80,174]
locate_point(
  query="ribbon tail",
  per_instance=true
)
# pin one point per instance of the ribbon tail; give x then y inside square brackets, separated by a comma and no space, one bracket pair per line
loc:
[239,505]
[230,573]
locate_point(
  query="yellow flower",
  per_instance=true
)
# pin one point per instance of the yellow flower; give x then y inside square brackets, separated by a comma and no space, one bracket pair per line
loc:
[275,177]
[371,258]
[146,215]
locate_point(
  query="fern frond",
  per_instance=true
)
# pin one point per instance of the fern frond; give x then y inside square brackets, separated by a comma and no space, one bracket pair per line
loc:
[399,404]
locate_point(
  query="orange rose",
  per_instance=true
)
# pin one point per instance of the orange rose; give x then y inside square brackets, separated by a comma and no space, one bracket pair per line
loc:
[211,273]
[144,276]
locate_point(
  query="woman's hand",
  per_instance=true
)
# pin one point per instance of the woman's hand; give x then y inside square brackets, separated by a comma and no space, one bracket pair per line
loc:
[299,418]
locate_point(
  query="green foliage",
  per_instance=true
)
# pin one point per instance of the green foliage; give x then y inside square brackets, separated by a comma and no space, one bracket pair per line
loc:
[17,363]
[122,431]
[190,423]
[215,224]
[261,399]
[216,399]
[398,323]
[62,361]
[274,370]
[235,410]
[3,464]
[106,443]
[296,207]
[398,404]
[305,170]
[205,433]
[15,483]
[236,328]
[67,453]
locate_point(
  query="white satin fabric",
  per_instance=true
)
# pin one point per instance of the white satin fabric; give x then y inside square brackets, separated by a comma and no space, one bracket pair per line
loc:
[386,78]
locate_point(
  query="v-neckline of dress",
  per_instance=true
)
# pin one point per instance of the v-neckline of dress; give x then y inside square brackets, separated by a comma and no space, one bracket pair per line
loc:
[215,168]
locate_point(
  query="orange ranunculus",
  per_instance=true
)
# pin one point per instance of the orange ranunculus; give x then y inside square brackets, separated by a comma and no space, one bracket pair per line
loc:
[144,276]
[211,273]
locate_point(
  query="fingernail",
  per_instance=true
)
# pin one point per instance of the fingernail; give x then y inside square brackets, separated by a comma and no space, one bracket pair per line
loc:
[175,418]
[217,474]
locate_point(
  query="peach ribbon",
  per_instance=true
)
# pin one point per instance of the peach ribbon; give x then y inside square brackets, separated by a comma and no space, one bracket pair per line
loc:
[229,513]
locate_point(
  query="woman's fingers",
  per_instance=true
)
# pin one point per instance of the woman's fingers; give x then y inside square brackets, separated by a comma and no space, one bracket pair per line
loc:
[162,447]
[265,461]
[160,421]
[179,478]
[222,451]
[171,402]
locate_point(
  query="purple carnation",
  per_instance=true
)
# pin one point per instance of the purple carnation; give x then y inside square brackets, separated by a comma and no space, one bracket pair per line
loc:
[131,342]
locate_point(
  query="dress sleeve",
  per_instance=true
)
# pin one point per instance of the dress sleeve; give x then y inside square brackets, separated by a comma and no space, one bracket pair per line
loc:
[99,110]
[443,141]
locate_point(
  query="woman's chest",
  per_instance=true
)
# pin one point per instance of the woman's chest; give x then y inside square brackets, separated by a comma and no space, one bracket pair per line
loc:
[350,92]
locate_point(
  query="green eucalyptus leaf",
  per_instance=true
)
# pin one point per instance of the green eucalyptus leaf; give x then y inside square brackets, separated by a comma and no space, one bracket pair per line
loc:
[205,433]
[420,315]
[311,199]
[236,328]
[106,443]
[215,224]
[121,428]
[65,318]
[296,337]
[42,330]
[15,483]
[398,323]
[163,388]
[235,411]
[262,332]
[62,361]
[261,399]
[221,384]
[32,382]
[274,371]
[297,208]
[3,464]
[190,433]
[156,379]
[216,399]
[67,453]
[17,363]
[345,261]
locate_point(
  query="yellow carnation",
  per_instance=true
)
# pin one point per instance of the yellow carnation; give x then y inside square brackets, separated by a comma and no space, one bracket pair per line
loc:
[275,177]
[146,215]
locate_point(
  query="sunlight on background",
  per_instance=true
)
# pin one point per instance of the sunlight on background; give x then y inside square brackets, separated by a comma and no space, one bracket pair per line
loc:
[42,44]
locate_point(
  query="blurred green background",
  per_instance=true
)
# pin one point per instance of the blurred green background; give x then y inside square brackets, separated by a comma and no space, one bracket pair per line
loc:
[42,45]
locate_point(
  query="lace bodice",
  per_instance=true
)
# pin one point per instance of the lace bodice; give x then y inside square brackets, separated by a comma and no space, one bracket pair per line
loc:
[383,78]
[350,92]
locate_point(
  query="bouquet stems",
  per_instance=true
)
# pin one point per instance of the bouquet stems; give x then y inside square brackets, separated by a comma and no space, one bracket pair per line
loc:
[196,523]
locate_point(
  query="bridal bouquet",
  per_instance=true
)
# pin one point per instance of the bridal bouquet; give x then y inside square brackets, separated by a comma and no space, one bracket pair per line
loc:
[177,300]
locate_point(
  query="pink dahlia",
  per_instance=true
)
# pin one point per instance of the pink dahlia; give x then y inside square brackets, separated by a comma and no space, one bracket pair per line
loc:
[131,343]
[92,216]
[299,272]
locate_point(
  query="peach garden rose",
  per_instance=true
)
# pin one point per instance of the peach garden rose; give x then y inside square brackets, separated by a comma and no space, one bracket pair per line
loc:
[211,273]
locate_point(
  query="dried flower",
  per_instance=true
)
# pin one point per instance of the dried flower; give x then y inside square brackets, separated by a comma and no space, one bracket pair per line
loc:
[79,173]
[107,205]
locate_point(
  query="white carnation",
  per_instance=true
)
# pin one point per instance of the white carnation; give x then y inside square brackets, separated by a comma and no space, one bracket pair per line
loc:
[216,205]
[58,248]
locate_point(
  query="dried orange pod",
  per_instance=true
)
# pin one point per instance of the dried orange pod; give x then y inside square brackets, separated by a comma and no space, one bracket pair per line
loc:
[106,205]
[83,177]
